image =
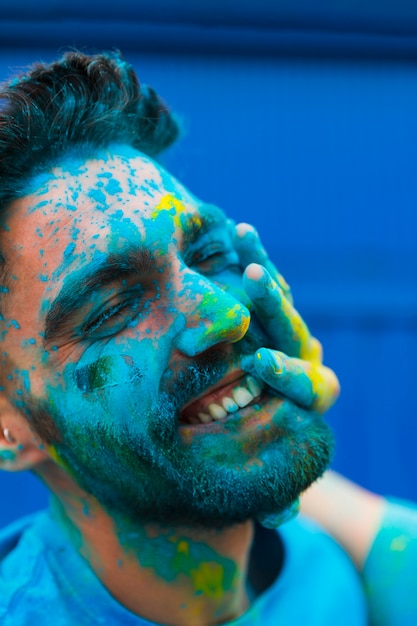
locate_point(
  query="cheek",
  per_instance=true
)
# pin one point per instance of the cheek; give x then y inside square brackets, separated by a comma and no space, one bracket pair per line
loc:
[121,372]
[107,371]
[124,376]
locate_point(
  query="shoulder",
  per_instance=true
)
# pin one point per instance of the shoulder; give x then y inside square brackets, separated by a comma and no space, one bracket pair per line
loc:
[390,568]
[306,541]
[318,580]
[23,569]
[11,535]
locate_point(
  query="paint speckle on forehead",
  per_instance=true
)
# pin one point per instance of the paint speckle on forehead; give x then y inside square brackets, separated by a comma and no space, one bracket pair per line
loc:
[117,215]
[132,185]
[172,205]
[124,229]
[69,250]
[74,232]
[172,214]
[99,198]
[113,187]
[152,184]
[41,204]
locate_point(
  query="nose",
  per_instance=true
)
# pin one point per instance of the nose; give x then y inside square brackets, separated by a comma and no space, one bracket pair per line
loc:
[212,315]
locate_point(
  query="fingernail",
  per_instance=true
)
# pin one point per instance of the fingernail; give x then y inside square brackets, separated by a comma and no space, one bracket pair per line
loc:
[262,283]
[268,359]
[246,230]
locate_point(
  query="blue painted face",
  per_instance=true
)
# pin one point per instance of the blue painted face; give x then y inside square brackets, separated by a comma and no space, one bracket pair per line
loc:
[131,347]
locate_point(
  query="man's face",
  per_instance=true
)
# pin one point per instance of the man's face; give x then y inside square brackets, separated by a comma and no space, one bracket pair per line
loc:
[125,322]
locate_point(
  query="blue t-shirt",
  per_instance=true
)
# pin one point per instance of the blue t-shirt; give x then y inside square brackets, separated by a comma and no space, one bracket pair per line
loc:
[44,581]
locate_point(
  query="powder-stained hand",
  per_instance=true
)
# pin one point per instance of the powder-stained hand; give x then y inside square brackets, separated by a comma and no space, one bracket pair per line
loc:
[295,369]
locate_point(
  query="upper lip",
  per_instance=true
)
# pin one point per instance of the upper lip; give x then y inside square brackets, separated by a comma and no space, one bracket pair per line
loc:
[231,377]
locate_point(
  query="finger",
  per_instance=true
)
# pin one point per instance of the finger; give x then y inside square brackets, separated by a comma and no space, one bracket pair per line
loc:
[280,320]
[310,385]
[250,250]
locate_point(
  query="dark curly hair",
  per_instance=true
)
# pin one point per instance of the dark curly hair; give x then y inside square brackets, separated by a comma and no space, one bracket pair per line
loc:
[78,103]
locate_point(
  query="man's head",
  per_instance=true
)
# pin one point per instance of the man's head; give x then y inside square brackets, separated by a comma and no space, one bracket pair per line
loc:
[128,361]
[77,104]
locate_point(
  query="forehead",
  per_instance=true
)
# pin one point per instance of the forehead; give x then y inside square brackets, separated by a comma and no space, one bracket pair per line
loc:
[97,192]
[100,205]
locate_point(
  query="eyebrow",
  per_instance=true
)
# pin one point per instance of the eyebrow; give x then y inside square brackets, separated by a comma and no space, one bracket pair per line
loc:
[98,274]
[209,217]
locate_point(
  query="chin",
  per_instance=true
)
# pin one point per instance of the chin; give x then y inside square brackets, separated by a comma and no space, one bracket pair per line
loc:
[213,495]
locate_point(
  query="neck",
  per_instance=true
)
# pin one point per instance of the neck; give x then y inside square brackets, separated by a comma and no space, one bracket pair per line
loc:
[200,575]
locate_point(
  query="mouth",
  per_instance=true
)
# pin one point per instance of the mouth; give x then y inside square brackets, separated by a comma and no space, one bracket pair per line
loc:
[222,402]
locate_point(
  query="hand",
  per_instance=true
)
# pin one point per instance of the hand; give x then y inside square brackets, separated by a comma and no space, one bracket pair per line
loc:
[295,370]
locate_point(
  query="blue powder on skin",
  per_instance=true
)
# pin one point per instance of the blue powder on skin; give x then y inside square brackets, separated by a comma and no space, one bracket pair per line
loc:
[107,371]
[132,187]
[41,204]
[27,342]
[118,215]
[113,187]
[69,250]
[99,197]
[26,382]
[7,455]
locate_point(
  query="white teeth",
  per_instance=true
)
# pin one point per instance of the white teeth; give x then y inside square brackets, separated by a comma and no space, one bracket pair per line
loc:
[242,396]
[204,417]
[230,405]
[254,386]
[216,411]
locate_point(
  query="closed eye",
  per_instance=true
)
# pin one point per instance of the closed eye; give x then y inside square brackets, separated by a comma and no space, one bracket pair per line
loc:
[101,319]
[214,258]
[113,319]
[212,251]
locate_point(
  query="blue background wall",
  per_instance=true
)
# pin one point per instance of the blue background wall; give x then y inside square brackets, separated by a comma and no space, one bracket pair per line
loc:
[302,121]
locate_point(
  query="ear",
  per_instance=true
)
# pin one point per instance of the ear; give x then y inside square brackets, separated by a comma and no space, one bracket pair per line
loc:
[20,447]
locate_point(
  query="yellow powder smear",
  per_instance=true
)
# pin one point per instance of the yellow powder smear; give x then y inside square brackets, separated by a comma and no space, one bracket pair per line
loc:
[208,580]
[178,210]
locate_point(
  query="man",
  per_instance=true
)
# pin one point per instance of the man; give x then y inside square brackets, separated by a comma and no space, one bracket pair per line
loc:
[160,382]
